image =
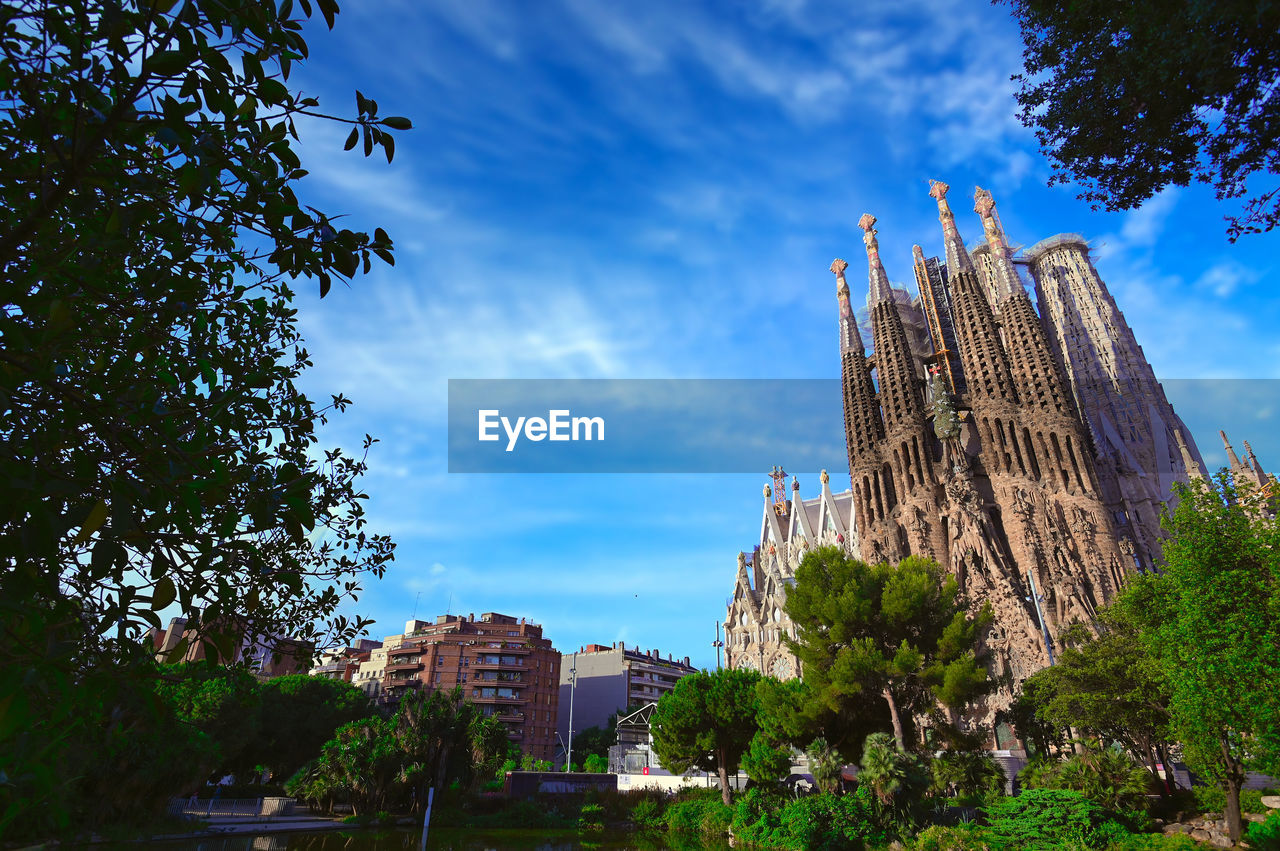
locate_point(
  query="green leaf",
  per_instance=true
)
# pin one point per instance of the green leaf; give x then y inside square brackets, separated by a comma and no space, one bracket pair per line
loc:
[167,63]
[353,139]
[397,122]
[165,593]
[97,516]
[272,91]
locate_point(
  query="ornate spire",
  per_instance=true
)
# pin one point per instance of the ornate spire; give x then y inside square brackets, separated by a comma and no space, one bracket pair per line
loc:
[1189,463]
[1232,460]
[957,257]
[879,282]
[1007,281]
[850,337]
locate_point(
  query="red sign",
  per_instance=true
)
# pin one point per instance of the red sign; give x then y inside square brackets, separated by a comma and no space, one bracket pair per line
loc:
[644,770]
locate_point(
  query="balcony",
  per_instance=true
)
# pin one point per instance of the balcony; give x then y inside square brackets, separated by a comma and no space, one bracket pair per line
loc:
[516,664]
[404,666]
[512,700]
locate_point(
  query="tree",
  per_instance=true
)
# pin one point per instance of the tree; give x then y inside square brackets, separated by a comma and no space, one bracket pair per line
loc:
[825,764]
[298,715]
[222,703]
[1127,99]
[1212,619]
[1106,684]
[707,721]
[900,634]
[157,453]
[896,777]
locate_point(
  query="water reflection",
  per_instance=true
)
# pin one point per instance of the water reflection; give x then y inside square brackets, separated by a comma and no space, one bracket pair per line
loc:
[441,839]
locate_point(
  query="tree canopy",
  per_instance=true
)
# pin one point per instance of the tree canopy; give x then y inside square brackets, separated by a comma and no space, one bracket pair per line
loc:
[707,721]
[1212,620]
[900,634]
[158,454]
[1129,98]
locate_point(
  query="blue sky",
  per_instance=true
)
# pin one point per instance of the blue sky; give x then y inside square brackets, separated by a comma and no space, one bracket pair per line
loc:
[655,190]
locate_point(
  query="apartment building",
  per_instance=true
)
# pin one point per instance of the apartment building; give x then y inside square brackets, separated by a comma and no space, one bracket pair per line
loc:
[611,678]
[503,665]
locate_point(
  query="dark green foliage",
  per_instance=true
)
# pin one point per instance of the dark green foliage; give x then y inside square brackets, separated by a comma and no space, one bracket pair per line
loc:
[1159,842]
[965,774]
[298,715]
[962,837]
[1051,818]
[825,765]
[1265,836]
[595,764]
[591,818]
[157,453]
[1107,777]
[898,779]
[1127,99]
[766,761]
[881,637]
[223,703]
[594,740]
[1043,738]
[1105,684]
[707,721]
[699,811]
[811,822]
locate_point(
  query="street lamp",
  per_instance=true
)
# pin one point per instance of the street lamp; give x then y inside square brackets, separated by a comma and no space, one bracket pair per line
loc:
[717,644]
[573,685]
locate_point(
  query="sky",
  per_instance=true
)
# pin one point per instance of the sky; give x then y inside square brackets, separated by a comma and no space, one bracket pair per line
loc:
[656,190]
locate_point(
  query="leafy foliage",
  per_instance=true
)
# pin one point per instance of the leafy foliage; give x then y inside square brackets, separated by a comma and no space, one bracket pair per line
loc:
[1265,835]
[1107,777]
[894,633]
[158,454]
[965,774]
[897,778]
[825,763]
[1129,99]
[1212,619]
[1106,684]
[1051,818]
[707,721]
[766,761]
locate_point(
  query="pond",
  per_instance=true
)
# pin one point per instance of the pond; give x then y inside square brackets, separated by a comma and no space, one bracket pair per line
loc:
[439,839]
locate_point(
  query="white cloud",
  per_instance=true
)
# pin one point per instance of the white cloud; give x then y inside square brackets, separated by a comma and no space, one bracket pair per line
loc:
[1227,275]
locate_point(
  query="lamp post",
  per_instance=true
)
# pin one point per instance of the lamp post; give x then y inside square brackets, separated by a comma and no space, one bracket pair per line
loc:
[573,685]
[717,644]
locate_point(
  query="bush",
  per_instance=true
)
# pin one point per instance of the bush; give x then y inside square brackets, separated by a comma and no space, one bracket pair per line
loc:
[591,817]
[1107,777]
[1049,818]
[1265,836]
[1158,842]
[827,821]
[964,837]
[966,774]
[647,815]
[704,815]
[755,816]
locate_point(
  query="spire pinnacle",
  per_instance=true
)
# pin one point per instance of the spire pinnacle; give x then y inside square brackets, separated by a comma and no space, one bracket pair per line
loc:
[879,281]
[1007,282]
[850,337]
[1231,453]
[957,257]
[1189,463]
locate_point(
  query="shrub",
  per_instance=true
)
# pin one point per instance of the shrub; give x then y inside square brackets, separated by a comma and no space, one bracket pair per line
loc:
[591,817]
[1107,777]
[755,817]
[964,837]
[1048,818]
[966,774]
[647,815]
[1158,842]
[827,821]
[1265,835]
[704,815]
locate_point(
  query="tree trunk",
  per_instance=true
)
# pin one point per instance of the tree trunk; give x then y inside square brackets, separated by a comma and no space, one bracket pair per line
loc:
[1234,776]
[723,771]
[897,720]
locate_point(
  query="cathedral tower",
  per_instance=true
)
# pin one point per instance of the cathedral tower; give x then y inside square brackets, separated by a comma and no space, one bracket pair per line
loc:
[1139,444]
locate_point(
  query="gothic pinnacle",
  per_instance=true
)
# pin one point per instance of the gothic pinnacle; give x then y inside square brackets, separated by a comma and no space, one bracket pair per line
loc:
[1232,460]
[957,257]
[1007,282]
[850,336]
[878,281]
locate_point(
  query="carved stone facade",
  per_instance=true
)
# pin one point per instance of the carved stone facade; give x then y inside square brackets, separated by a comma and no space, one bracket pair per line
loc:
[756,623]
[1141,445]
[986,466]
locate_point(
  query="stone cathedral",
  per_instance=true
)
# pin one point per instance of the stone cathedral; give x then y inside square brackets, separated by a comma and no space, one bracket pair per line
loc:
[1028,451]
